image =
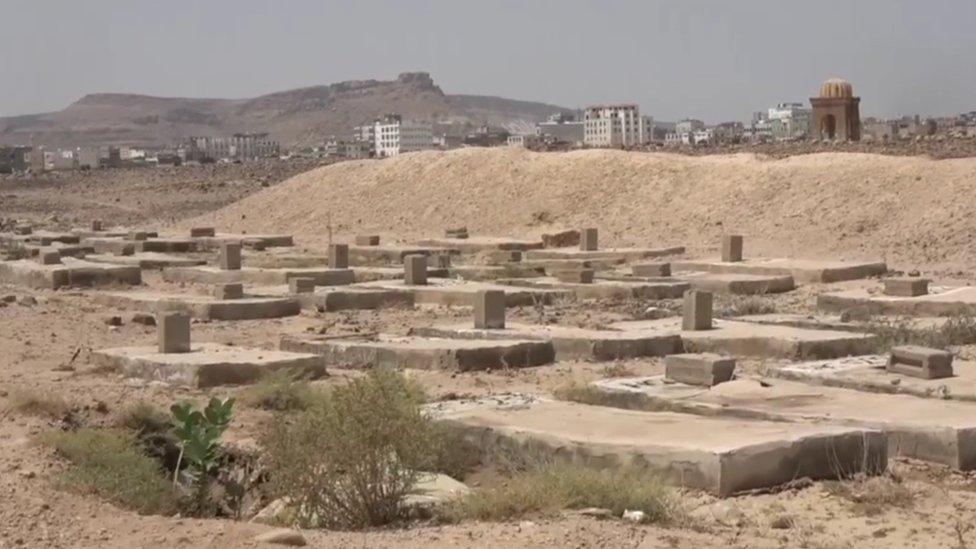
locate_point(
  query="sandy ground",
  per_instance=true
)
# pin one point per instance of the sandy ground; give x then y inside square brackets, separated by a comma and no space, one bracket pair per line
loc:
[37,342]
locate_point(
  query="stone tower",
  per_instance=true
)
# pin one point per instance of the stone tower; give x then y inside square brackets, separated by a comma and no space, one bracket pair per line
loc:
[836,113]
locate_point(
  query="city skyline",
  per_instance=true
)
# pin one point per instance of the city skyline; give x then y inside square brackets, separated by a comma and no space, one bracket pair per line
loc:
[675,59]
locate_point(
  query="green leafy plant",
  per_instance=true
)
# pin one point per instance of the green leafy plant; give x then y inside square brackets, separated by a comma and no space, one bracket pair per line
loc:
[198,435]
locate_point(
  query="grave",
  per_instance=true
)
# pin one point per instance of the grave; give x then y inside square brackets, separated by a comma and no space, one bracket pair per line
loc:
[453,292]
[205,307]
[803,271]
[652,269]
[206,274]
[570,342]
[68,273]
[588,240]
[613,254]
[422,353]
[869,374]
[339,256]
[736,338]
[926,429]
[731,248]
[703,369]
[606,289]
[476,244]
[940,301]
[723,456]
[177,361]
[906,287]
[495,272]
[147,260]
[489,310]
[257,241]
[392,254]
[921,362]
[696,311]
[415,270]
[340,298]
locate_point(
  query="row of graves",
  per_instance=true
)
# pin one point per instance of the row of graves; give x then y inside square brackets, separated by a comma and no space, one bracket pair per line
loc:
[825,405]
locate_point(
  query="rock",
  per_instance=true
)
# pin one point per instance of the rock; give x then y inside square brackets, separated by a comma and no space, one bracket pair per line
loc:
[114,320]
[27,301]
[282,536]
[634,516]
[144,319]
[782,522]
[596,512]
[273,513]
[654,313]
[914,273]
[431,490]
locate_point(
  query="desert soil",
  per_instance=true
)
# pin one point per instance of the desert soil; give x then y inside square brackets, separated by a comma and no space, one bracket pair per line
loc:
[633,199]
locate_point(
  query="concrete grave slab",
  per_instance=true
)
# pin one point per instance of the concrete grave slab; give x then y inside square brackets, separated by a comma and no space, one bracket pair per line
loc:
[454,292]
[341,298]
[738,338]
[475,244]
[71,272]
[607,289]
[570,342]
[207,274]
[423,353]
[717,283]
[803,271]
[206,307]
[248,240]
[926,429]
[869,374]
[723,456]
[206,365]
[147,260]
[496,272]
[618,254]
[940,301]
[79,251]
[393,254]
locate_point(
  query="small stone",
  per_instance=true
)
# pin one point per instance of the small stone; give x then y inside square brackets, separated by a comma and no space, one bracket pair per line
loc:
[781,522]
[144,319]
[27,301]
[914,273]
[282,536]
[596,512]
[114,320]
[634,516]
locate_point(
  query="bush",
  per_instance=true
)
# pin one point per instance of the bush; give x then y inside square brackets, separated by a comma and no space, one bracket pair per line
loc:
[892,332]
[37,404]
[350,459]
[279,391]
[557,486]
[110,465]
[143,417]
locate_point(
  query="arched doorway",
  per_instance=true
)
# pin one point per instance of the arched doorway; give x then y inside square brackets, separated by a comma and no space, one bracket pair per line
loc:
[828,126]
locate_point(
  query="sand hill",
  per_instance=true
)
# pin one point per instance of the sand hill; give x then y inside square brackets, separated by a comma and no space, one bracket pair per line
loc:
[914,212]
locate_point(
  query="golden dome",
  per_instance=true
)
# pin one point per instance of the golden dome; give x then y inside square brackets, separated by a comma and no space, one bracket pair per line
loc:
[836,88]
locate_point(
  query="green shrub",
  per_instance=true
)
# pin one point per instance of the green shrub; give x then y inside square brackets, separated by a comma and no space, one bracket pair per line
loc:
[554,487]
[198,434]
[110,465]
[349,460]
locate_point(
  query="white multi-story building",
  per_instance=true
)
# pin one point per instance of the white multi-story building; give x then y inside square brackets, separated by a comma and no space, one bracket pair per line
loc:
[788,121]
[394,136]
[615,126]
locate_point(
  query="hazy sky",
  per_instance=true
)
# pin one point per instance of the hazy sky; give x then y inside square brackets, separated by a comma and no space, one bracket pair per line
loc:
[716,60]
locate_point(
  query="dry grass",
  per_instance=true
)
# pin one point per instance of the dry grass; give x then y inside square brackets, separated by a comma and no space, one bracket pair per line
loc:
[109,464]
[34,403]
[895,331]
[557,486]
[728,306]
[583,393]
[872,495]
[143,417]
[280,391]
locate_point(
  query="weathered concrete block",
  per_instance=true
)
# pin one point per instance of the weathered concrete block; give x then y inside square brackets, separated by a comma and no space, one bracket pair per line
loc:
[23,230]
[229,291]
[415,270]
[173,330]
[697,311]
[922,362]
[137,235]
[653,269]
[705,369]
[230,256]
[561,239]
[96,225]
[489,309]
[126,249]
[301,285]
[367,240]
[339,256]
[459,232]
[574,276]
[588,240]
[197,232]
[906,287]
[439,261]
[49,257]
[731,248]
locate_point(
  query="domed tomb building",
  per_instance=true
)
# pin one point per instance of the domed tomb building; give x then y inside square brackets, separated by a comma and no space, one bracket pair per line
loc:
[836,113]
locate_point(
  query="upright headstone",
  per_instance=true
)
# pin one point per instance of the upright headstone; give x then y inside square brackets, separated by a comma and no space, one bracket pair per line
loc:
[339,256]
[415,270]
[229,291]
[731,248]
[489,310]
[138,235]
[301,285]
[96,225]
[588,240]
[47,256]
[230,256]
[906,287]
[173,330]
[705,369]
[367,240]
[697,310]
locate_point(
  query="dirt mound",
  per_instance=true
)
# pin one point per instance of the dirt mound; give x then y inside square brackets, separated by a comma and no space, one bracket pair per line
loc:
[908,210]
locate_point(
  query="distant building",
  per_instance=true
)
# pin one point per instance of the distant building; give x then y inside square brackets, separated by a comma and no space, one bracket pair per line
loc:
[347,148]
[613,126]
[836,113]
[486,136]
[689,125]
[394,136]
[788,121]
[525,141]
[240,146]
[561,128]
[728,132]
[15,159]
